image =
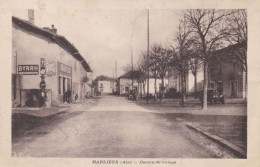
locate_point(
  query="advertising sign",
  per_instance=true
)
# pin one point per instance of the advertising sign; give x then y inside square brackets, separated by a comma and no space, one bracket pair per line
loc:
[65,69]
[50,68]
[28,69]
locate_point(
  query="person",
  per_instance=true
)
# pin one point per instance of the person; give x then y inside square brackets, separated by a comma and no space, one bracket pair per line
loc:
[42,98]
[68,96]
[76,97]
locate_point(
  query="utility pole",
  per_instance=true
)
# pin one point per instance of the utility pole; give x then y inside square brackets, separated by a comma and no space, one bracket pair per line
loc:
[132,69]
[116,68]
[148,58]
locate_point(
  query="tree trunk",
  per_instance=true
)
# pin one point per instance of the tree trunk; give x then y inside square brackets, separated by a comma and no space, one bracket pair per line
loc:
[205,86]
[138,90]
[132,83]
[162,97]
[246,84]
[155,89]
[195,85]
[144,88]
[183,86]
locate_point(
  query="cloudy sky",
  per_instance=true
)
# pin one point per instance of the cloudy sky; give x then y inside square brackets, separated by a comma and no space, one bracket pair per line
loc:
[104,36]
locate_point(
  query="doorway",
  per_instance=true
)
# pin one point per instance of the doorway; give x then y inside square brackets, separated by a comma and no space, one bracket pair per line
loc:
[233,89]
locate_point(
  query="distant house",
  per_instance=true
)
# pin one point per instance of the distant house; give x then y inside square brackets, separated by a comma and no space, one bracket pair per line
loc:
[128,81]
[131,81]
[104,85]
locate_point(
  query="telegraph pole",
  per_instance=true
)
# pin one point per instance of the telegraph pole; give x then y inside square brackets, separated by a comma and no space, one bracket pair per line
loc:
[132,69]
[148,58]
[116,68]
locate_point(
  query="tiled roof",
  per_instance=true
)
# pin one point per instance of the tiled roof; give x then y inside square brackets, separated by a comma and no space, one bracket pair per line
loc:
[104,78]
[132,74]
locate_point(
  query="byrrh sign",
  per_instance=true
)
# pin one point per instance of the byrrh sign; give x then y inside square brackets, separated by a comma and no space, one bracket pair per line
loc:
[28,69]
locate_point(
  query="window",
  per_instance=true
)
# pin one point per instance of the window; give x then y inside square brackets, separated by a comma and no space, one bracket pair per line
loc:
[211,85]
[64,85]
[101,87]
[60,84]
[127,89]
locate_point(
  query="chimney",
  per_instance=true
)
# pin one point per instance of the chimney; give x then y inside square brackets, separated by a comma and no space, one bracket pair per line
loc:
[53,29]
[31,16]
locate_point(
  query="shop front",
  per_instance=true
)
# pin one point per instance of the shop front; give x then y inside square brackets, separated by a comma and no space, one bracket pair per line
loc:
[64,82]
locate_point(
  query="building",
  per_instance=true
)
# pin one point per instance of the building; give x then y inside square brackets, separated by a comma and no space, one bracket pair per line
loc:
[132,81]
[226,71]
[104,85]
[35,48]
[225,74]
[175,81]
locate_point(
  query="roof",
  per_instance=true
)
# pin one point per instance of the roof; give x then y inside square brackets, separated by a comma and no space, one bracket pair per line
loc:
[58,39]
[131,74]
[104,78]
[231,48]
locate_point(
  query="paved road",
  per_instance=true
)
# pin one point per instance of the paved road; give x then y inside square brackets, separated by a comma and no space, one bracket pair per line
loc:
[115,128]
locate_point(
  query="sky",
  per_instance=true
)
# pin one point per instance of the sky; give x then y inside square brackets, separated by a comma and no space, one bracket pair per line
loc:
[106,36]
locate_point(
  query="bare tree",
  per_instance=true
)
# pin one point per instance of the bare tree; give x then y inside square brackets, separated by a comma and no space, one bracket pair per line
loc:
[210,28]
[130,69]
[195,65]
[237,34]
[142,67]
[181,54]
[84,79]
[154,66]
[162,58]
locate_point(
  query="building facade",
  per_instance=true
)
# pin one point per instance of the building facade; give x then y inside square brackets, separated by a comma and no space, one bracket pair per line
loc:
[226,74]
[104,85]
[130,81]
[34,48]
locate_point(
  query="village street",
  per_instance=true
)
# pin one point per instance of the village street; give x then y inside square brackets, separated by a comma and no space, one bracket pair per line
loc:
[113,127]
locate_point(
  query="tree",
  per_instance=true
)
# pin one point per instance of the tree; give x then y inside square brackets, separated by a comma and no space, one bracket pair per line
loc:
[237,34]
[142,67]
[209,26]
[195,64]
[84,78]
[154,67]
[182,53]
[130,68]
[162,58]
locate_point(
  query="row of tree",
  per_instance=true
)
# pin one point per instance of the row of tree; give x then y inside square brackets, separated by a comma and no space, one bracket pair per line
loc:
[200,33]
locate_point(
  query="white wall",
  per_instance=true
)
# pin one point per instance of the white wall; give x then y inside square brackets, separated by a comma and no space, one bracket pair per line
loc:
[106,86]
[125,82]
[29,48]
[158,83]
[128,82]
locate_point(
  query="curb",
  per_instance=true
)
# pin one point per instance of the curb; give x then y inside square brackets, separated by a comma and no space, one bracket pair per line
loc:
[240,152]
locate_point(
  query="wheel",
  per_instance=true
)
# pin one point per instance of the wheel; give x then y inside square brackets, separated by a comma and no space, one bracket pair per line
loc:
[223,101]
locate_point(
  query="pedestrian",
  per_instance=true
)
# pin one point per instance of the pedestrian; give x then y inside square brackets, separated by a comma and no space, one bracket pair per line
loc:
[68,95]
[76,97]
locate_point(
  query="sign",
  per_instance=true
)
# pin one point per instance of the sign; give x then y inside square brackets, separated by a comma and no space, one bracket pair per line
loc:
[66,69]
[28,69]
[42,62]
[50,68]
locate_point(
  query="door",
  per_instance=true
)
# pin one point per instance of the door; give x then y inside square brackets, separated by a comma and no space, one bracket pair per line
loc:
[233,89]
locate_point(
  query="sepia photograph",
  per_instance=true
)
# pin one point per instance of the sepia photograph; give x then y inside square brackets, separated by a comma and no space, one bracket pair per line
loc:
[135,83]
